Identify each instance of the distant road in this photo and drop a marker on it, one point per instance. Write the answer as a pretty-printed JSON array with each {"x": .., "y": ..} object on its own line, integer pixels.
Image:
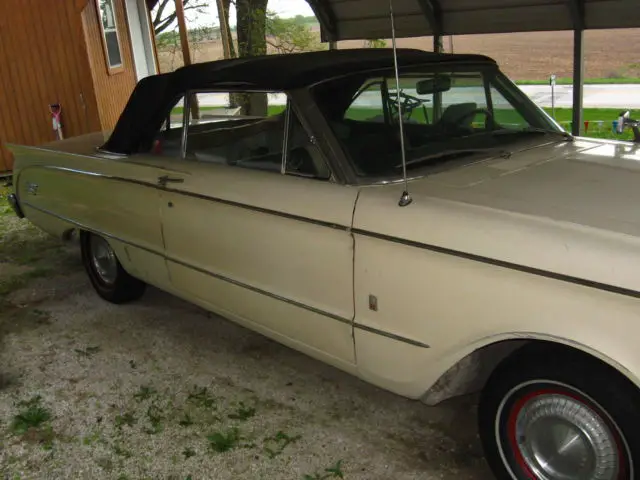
[{"x": 595, "y": 96}]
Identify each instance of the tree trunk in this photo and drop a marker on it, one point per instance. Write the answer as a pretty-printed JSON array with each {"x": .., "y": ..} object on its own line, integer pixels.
[
  {"x": 232, "y": 48},
  {"x": 251, "y": 27}
]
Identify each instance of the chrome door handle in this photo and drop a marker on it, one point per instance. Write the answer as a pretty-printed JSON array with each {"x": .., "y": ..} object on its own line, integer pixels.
[{"x": 163, "y": 180}]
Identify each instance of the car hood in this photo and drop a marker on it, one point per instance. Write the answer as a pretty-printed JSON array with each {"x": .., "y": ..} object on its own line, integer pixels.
[
  {"x": 586, "y": 182},
  {"x": 571, "y": 208}
]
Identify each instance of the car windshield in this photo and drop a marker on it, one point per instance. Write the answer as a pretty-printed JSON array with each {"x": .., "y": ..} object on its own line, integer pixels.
[{"x": 448, "y": 117}]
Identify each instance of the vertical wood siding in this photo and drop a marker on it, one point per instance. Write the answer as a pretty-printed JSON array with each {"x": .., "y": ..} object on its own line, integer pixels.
[
  {"x": 51, "y": 52},
  {"x": 112, "y": 90}
]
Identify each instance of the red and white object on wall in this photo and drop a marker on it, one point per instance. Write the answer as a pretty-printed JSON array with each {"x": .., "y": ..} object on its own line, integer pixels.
[{"x": 56, "y": 112}]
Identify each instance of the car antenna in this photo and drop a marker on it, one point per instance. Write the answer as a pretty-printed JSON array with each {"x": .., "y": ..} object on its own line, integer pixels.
[{"x": 405, "y": 199}]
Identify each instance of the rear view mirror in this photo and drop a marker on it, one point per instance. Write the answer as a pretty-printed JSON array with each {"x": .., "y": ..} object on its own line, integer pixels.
[{"x": 437, "y": 84}]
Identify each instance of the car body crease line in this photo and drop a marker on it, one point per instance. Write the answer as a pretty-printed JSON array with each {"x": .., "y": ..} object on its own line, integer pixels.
[
  {"x": 209, "y": 198},
  {"x": 233, "y": 281},
  {"x": 502, "y": 264}
]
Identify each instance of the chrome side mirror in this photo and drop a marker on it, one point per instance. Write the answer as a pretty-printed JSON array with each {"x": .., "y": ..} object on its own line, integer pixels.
[{"x": 622, "y": 120}]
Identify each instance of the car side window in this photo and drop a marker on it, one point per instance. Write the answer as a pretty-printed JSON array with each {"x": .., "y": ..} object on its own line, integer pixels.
[{"x": 260, "y": 131}]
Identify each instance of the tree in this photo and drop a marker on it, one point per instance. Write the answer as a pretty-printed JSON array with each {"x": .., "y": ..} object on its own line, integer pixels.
[
  {"x": 225, "y": 28},
  {"x": 252, "y": 19},
  {"x": 288, "y": 35},
  {"x": 162, "y": 20}
]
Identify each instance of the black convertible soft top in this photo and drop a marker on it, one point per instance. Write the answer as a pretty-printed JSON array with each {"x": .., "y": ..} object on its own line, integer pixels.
[{"x": 154, "y": 96}]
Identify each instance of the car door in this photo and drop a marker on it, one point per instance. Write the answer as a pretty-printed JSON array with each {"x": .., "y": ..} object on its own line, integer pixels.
[{"x": 265, "y": 244}]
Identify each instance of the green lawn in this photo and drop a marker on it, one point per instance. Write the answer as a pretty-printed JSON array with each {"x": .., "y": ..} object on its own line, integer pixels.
[
  {"x": 587, "y": 81},
  {"x": 593, "y": 115}
]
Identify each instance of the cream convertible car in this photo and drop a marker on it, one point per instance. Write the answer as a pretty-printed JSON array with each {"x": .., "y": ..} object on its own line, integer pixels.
[{"x": 268, "y": 190}]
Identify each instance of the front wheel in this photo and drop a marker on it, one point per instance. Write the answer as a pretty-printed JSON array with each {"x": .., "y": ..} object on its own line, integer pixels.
[
  {"x": 558, "y": 415},
  {"x": 107, "y": 276}
]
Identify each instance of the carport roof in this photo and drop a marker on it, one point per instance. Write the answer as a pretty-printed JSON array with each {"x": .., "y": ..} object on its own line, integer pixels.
[{"x": 361, "y": 19}]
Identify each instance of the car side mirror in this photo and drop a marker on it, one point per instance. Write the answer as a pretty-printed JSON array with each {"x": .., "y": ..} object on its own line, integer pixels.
[{"x": 623, "y": 118}]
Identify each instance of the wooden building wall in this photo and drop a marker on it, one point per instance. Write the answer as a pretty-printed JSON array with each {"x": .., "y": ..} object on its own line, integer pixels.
[
  {"x": 112, "y": 89},
  {"x": 51, "y": 52}
]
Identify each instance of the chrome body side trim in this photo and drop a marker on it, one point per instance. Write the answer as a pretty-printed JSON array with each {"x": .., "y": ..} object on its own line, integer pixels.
[
  {"x": 393, "y": 336},
  {"x": 502, "y": 263},
  {"x": 233, "y": 281}
]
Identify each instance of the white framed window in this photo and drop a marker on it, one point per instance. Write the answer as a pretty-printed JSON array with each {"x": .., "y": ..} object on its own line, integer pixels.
[{"x": 110, "y": 39}]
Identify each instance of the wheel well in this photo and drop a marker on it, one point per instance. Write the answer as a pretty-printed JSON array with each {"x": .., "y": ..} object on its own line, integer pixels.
[
  {"x": 71, "y": 235},
  {"x": 470, "y": 374}
]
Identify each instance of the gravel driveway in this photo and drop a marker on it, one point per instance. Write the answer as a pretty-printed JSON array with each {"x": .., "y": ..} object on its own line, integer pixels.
[{"x": 161, "y": 389}]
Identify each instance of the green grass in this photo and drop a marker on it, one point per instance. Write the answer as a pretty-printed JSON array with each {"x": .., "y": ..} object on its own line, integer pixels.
[
  {"x": 126, "y": 418},
  {"x": 242, "y": 412},
  {"x": 587, "y": 81},
  {"x": 591, "y": 115},
  {"x": 275, "y": 445},
  {"x": 331, "y": 472},
  {"x": 561, "y": 115},
  {"x": 32, "y": 415},
  {"x": 221, "y": 442},
  {"x": 201, "y": 397}
]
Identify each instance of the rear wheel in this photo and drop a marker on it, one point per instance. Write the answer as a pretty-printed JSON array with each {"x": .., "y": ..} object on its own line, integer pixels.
[
  {"x": 559, "y": 415},
  {"x": 107, "y": 276}
]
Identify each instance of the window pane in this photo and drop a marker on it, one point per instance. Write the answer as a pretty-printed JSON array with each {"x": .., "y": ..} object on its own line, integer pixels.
[
  {"x": 416, "y": 107},
  {"x": 113, "y": 49},
  {"x": 504, "y": 113},
  {"x": 241, "y": 129},
  {"x": 109, "y": 29},
  {"x": 226, "y": 106},
  {"x": 367, "y": 106}
]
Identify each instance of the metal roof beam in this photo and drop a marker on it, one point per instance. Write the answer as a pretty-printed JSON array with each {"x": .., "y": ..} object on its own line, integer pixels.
[
  {"x": 577, "y": 9},
  {"x": 432, "y": 10},
  {"x": 327, "y": 18}
]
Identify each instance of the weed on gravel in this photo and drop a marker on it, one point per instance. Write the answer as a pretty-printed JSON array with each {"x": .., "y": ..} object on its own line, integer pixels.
[
  {"x": 331, "y": 472},
  {"x": 32, "y": 422},
  {"x": 275, "y": 445},
  {"x": 223, "y": 441},
  {"x": 32, "y": 415}
]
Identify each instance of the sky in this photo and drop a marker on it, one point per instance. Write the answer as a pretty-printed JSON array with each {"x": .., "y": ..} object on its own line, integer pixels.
[
  {"x": 284, "y": 8},
  {"x": 290, "y": 8}
]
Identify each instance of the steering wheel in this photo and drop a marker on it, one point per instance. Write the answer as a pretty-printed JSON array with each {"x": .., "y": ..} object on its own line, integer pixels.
[
  {"x": 409, "y": 103},
  {"x": 472, "y": 113}
]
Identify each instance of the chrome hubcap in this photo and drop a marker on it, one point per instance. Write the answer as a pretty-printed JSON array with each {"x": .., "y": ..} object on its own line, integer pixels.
[
  {"x": 557, "y": 436},
  {"x": 104, "y": 260}
]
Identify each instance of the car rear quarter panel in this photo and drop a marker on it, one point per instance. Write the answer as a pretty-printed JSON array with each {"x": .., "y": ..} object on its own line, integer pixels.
[
  {"x": 61, "y": 191},
  {"x": 456, "y": 305}
]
